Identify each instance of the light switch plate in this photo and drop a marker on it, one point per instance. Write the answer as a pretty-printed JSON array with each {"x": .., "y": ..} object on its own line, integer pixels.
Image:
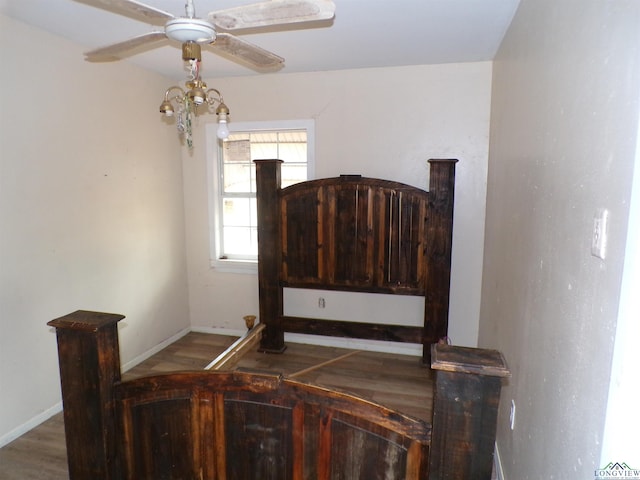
[{"x": 599, "y": 236}]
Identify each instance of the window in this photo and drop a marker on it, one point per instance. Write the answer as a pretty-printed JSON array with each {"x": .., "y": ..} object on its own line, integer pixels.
[{"x": 234, "y": 244}]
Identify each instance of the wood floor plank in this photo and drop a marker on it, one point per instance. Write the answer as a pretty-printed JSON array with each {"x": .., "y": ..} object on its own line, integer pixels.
[{"x": 38, "y": 454}]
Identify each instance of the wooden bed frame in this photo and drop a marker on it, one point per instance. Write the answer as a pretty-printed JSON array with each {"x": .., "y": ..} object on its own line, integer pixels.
[
  {"x": 242, "y": 426},
  {"x": 356, "y": 234},
  {"x": 349, "y": 233}
]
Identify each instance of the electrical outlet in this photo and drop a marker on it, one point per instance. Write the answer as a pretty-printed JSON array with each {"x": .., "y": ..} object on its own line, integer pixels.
[
  {"x": 512, "y": 415},
  {"x": 599, "y": 236}
]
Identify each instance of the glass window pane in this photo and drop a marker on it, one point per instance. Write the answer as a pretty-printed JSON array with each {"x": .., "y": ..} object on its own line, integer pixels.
[
  {"x": 253, "y": 178},
  {"x": 253, "y": 212},
  {"x": 237, "y": 212},
  {"x": 254, "y": 242},
  {"x": 237, "y": 177},
  {"x": 264, "y": 150},
  {"x": 238, "y": 204},
  {"x": 293, "y": 173},
  {"x": 264, "y": 137},
  {"x": 293, "y": 152},
  {"x": 236, "y": 150},
  {"x": 240, "y": 241},
  {"x": 292, "y": 136}
]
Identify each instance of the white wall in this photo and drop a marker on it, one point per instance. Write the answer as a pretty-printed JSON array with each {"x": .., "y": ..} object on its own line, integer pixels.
[
  {"x": 91, "y": 211},
  {"x": 564, "y": 123},
  {"x": 376, "y": 122},
  {"x": 622, "y": 422}
]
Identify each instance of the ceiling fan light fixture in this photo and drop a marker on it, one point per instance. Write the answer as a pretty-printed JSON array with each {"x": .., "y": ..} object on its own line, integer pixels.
[
  {"x": 197, "y": 95},
  {"x": 186, "y": 106},
  {"x": 185, "y": 30},
  {"x": 166, "y": 108},
  {"x": 192, "y": 32},
  {"x": 222, "y": 112},
  {"x": 223, "y": 130}
]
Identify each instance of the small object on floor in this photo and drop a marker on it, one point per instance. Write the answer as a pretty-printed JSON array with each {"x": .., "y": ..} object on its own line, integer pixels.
[{"x": 249, "y": 321}]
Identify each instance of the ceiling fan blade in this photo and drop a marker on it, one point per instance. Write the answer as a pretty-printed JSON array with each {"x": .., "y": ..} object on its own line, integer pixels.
[
  {"x": 120, "y": 50},
  {"x": 273, "y": 12},
  {"x": 245, "y": 52},
  {"x": 133, "y": 9}
]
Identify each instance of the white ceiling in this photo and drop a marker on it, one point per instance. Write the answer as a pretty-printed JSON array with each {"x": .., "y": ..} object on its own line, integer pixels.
[{"x": 364, "y": 33}]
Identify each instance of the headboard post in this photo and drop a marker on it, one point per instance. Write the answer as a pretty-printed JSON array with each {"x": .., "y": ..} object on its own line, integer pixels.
[
  {"x": 89, "y": 359},
  {"x": 438, "y": 251},
  {"x": 269, "y": 254}
]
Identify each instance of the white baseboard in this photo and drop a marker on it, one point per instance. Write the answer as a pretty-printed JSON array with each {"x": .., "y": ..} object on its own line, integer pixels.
[
  {"x": 412, "y": 349},
  {"x": 219, "y": 331},
  {"x": 32, "y": 423},
  {"x": 152, "y": 351},
  {"x": 497, "y": 464}
]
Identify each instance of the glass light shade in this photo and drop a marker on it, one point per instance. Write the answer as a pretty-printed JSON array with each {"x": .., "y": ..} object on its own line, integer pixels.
[{"x": 223, "y": 130}]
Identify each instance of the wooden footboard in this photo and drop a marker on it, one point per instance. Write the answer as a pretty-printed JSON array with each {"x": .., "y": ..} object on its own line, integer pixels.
[
  {"x": 241, "y": 426},
  {"x": 245, "y": 426}
]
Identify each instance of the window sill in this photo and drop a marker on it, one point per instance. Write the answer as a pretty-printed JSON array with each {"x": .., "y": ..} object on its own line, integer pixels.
[{"x": 235, "y": 266}]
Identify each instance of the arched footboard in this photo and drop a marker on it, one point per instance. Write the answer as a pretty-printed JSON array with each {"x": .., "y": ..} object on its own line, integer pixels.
[{"x": 207, "y": 425}]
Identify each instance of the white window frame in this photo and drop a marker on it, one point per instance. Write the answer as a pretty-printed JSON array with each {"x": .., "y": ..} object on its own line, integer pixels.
[{"x": 214, "y": 182}]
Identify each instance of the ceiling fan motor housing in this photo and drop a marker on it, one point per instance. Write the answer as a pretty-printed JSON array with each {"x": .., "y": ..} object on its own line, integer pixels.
[{"x": 190, "y": 30}]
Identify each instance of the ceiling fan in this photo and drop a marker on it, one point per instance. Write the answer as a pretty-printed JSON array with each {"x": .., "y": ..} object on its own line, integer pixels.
[{"x": 213, "y": 33}]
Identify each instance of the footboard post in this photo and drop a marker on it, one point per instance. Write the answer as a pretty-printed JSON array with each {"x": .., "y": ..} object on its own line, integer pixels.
[
  {"x": 269, "y": 254},
  {"x": 438, "y": 252},
  {"x": 465, "y": 410},
  {"x": 89, "y": 360}
]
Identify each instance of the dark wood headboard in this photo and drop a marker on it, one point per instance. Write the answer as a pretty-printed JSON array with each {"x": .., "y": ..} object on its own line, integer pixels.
[{"x": 356, "y": 234}]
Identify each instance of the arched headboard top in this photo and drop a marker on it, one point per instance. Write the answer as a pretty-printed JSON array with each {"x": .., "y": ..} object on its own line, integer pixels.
[
  {"x": 351, "y": 179},
  {"x": 354, "y": 233}
]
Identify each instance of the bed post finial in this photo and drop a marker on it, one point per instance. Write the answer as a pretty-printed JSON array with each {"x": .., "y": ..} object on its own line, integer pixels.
[
  {"x": 269, "y": 254},
  {"x": 89, "y": 358}
]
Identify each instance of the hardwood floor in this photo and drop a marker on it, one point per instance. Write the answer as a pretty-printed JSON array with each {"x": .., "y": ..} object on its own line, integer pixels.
[{"x": 397, "y": 381}]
